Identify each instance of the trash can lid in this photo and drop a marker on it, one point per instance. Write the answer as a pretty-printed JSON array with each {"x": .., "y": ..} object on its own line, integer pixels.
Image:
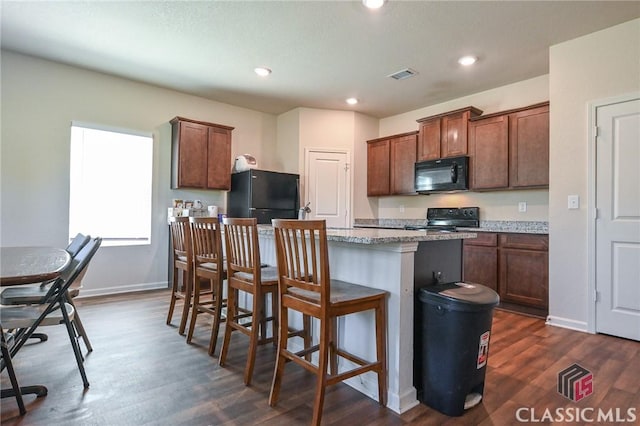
[{"x": 460, "y": 292}]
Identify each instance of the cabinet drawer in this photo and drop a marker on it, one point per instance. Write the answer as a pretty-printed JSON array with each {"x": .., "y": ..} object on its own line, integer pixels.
[
  {"x": 483, "y": 239},
  {"x": 524, "y": 241}
]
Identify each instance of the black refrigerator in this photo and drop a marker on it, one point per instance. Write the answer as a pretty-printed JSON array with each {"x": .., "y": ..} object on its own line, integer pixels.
[{"x": 264, "y": 195}]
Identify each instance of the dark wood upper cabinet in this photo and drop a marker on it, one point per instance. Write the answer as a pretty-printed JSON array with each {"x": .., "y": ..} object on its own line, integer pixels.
[
  {"x": 403, "y": 159},
  {"x": 489, "y": 153},
  {"x": 529, "y": 148},
  {"x": 510, "y": 149},
  {"x": 200, "y": 154},
  {"x": 390, "y": 165},
  {"x": 378, "y": 171},
  {"x": 445, "y": 135},
  {"x": 429, "y": 137}
]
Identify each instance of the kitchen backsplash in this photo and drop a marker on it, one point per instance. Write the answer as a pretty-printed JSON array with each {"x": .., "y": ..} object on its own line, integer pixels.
[{"x": 494, "y": 206}]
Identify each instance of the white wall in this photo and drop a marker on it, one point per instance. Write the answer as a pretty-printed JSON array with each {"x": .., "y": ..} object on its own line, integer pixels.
[
  {"x": 597, "y": 66},
  {"x": 496, "y": 205},
  {"x": 39, "y": 101}
]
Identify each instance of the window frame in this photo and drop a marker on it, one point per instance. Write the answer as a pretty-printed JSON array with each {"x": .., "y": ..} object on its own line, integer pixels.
[{"x": 144, "y": 238}]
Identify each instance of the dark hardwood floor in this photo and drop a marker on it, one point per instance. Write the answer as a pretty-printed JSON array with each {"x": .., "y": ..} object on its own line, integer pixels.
[{"x": 143, "y": 373}]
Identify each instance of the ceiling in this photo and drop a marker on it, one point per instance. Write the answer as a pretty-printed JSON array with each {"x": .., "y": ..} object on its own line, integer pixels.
[{"x": 321, "y": 52}]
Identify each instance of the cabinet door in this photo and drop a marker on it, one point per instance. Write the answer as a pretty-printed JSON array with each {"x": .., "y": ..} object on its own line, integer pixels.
[
  {"x": 489, "y": 153},
  {"x": 429, "y": 140},
  {"x": 529, "y": 148},
  {"x": 192, "y": 155},
  {"x": 454, "y": 135},
  {"x": 480, "y": 265},
  {"x": 403, "y": 159},
  {"x": 524, "y": 277},
  {"x": 378, "y": 174},
  {"x": 219, "y": 159}
]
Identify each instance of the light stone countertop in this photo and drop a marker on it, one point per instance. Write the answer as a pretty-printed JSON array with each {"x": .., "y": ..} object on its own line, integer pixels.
[
  {"x": 382, "y": 236},
  {"x": 511, "y": 226}
]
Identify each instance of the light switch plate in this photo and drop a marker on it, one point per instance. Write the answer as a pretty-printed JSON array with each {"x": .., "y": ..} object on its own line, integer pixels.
[{"x": 573, "y": 202}]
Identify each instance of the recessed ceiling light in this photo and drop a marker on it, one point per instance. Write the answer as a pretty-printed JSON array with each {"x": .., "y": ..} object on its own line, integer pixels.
[
  {"x": 352, "y": 101},
  {"x": 373, "y": 4},
  {"x": 262, "y": 71},
  {"x": 467, "y": 60}
]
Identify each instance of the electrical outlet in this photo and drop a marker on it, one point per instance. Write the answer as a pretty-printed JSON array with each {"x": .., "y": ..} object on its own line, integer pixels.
[
  {"x": 522, "y": 206},
  {"x": 573, "y": 202},
  {"x": 402, "y": 208}
]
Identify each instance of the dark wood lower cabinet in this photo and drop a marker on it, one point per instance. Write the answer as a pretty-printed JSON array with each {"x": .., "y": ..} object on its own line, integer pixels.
[
  {"x": 480, "y": 260},
  {"x": 515, "y": 265}
]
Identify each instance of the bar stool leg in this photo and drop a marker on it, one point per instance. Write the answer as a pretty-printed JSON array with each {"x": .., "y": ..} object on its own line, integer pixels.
[
  {"x": 186, "y": 282},
  {"x": 256, "y": 321}
]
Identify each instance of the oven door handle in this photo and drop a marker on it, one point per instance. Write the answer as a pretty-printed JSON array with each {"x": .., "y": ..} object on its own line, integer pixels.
[{"x": 454, "y": 173}]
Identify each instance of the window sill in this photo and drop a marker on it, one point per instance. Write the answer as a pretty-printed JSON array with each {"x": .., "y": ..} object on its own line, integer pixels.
[{"x": 118, "y": 242}]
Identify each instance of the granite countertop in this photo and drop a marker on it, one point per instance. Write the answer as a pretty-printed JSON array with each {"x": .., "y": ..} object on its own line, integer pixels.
[
  {"x": 382, "y": 236},
  {"x": 511, "y": 226}
]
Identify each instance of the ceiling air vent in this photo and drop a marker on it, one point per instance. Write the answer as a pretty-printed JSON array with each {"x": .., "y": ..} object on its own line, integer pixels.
[{"x": 402, "y": 74}]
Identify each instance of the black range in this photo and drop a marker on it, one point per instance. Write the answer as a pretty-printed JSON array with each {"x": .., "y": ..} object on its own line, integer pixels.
[{"x": 449, "y": 219}]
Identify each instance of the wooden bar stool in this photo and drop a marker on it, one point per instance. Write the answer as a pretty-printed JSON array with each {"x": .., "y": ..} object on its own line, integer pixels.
[
  {"x": 305, "y": 286},
  {"x": 182, "y": 268},
  {"x": 244, "y": 273},
  {"x": 208, "y": 265}
]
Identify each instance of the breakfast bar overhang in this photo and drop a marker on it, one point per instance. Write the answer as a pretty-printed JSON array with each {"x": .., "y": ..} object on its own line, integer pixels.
[{"x": 383, "y": 259}]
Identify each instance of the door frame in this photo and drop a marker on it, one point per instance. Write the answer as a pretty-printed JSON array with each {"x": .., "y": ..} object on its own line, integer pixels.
[
  {"x": 591, "y": 204},
  {"x": 349, "y": 192}
]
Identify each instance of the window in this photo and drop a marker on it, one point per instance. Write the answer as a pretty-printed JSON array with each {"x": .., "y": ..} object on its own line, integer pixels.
[{"x": 110, "y": 184}]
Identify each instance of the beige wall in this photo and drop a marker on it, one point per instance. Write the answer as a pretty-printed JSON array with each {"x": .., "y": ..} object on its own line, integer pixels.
[
  {"x": 497, "y": 205},
  {"x": 364, "y": 207},
  {"x": 287, "y": 141},
  {"x": 307, "y": 128},
  {"x": 594, "y": 67},
  {"x": 39, "y": 101}
]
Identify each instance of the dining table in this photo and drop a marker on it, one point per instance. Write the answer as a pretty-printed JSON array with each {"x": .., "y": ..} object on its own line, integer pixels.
[{"x": 29, "y": 265}]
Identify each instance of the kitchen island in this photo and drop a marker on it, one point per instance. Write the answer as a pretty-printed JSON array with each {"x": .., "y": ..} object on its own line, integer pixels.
[{"x": 383, "y": 259}]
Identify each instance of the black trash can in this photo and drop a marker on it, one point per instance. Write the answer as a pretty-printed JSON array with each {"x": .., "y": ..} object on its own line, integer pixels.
[{"x": 455, "y": 331}]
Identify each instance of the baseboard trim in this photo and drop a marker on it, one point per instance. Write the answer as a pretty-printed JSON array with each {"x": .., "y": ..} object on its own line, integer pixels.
[
  {"x": 107, "y": 291},
  {"x": 567, "y": 323}
]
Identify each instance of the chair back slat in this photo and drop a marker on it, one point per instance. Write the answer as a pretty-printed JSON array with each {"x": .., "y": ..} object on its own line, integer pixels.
[
  {"x": 303, "y": 261},
  {"x": 242, "y": 249},
  {"x": 181, "y": 237},
  {"x": 206, "y": 239}
]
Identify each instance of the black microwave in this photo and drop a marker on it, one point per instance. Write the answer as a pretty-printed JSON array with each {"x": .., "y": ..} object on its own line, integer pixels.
[{"x": 443, "y": 175}]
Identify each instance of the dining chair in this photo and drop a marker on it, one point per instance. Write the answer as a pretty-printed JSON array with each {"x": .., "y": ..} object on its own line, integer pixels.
[
  {"x": 246, "y": 274},
  {"x": 24, "y": 320},
  {"x": 306, "y": 286},
  {"x": 182, "y": 281},
  {"x": 6, "y": 341},
  {"x": 208, "y": 265},
  {"x": 28, "y": 295}
]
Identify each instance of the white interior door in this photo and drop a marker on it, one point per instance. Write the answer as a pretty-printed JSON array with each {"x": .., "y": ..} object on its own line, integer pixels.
[
  {"x": 617, "y": 233},
  {"x": 328, "y": 186}
]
